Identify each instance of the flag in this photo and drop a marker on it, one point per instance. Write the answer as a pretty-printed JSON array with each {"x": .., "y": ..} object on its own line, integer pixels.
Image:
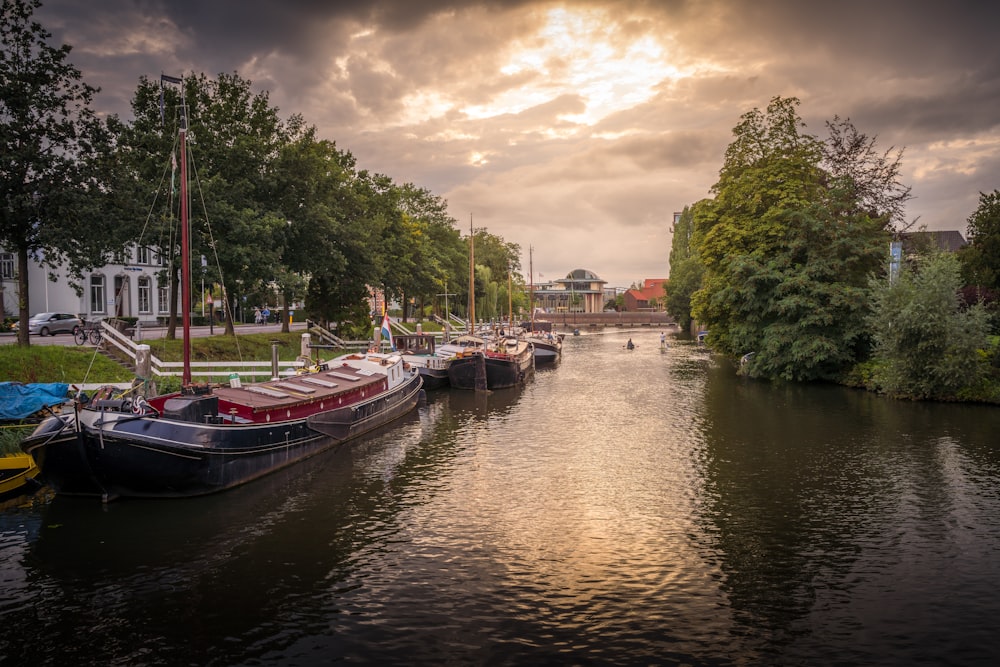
[{"x": 387, "y": 331}]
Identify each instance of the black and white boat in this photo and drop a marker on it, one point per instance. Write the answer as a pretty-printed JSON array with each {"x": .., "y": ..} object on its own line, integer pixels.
[{"x": 420, "y": 351}]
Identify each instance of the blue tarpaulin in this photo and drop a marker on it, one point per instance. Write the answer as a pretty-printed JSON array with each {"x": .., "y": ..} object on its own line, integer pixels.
[{"x": 18, "y": 400}]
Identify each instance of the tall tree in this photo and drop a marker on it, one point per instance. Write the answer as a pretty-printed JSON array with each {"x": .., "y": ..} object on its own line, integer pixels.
[
  {"x": 53, "y": 147},
  {"x": 797, "y": 226}
]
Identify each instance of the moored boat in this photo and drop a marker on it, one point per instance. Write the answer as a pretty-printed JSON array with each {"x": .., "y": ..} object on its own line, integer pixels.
[
  {"x": 504, "y": 362},
  {"x": 547, "y": 346},
  {"x": 431, "y": 363},
  {"x": 18, "y": 475}
]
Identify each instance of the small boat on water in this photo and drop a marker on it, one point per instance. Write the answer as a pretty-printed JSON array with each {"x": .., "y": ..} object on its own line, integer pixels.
[
  {"x": 206, "y": 438},
  {"x": 432, "y": 363},
  {"x": 547, "y": 345},
  {"x": 18, "y": 475}
]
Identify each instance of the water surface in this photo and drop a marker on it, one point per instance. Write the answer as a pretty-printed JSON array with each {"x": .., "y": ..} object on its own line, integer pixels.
[{"x": 624, "y": 507}]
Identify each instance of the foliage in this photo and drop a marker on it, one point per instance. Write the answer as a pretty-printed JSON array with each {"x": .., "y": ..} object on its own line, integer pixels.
[
  {"x": 927, "y": 345},
  {"x": 54, "y": 156},
  {"x": 685, "y": 266},
  {"x": 796, "y": 228},
  {"x": 981, "y": 257}
]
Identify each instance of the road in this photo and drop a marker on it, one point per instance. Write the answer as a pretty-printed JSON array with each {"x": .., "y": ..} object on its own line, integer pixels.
[{"x": 152, "y": 333}]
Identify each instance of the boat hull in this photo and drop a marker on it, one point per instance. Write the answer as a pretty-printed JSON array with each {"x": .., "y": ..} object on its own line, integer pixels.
[
  {"x": 433, "y": 378},
  {"x": 545, "y": 352},
  {"x": 499, "y": 372},
  {"x": 17, "y": 475}
]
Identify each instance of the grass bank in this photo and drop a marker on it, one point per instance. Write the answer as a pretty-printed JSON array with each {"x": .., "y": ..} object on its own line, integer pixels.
[{"x": 57, "y": 363}]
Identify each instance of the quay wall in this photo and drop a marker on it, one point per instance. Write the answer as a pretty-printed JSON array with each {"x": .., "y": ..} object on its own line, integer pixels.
[{"x": 623, "y": 319}]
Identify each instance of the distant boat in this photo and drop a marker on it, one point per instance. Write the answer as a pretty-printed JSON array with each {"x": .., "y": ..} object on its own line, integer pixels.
[
  {"x": 419, "y": 351},
  {"x": 205, "y": 439},
  {"x": 547, "y": 346}
]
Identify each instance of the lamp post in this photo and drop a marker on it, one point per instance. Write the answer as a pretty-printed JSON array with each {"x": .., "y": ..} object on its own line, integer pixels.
[{"x": 447, "y": 312}]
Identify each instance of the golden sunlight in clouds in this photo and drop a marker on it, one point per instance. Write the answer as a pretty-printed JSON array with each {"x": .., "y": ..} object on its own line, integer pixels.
[{"x": 581, "y": 53}]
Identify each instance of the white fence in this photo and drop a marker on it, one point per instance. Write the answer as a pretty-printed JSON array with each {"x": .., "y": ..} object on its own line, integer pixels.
[{"x": 221, "y": 370}]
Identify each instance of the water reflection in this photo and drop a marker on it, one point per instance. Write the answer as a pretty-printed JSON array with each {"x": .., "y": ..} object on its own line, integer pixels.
[{"x": 825, "y": 499}]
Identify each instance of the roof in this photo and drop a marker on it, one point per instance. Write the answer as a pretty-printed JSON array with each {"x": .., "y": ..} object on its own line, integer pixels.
[
  {"x": 652, "y": 288},
  {"x": 948, "y": 240}
]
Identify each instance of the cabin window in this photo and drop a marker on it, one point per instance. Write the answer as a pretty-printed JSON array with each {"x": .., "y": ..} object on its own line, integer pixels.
[{"x": 97, "y": 294}]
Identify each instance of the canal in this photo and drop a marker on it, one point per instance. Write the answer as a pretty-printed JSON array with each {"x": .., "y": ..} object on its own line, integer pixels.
[{"x": 624, "y": 507}]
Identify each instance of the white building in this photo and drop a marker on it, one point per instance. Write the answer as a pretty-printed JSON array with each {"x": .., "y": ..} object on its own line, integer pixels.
[{"x": 130, "y": 289}]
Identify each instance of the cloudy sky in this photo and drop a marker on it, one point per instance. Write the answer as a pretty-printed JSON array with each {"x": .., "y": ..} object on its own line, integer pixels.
[{"x": 577, "y": 128}]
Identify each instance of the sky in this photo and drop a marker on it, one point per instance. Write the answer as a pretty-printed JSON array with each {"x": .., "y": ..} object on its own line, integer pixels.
[{"x": 576, "y": 129}]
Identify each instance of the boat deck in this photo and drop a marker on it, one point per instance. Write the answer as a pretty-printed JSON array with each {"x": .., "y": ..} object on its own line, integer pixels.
[{"x": 298, "y": 389}]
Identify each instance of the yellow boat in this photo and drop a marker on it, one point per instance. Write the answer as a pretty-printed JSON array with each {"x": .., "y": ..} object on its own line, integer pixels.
[{"x": 17, "y": 475}]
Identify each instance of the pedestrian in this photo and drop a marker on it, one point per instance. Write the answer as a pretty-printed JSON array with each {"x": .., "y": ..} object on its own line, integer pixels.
[
  {"x": 258, "y": 317},
  {"x": 266, "y": 313}
]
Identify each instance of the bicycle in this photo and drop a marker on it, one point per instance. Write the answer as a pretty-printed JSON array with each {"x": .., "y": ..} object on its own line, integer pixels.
[{"x": 93, "y": 334}]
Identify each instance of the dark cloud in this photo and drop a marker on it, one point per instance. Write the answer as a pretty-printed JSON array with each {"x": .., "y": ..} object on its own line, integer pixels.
[{"x": 394, "y": 83}]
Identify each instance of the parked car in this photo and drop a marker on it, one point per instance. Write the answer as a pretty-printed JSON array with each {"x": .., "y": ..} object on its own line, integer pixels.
[{"x": 45, "y": 324}]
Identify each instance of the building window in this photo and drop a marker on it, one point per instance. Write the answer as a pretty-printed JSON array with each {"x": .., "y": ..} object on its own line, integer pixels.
[
  {"x": 162, "y": 299},
  {"x": 97, "y": 295},
  {"x": 142, "y": 255},
  {"x": 6, "y": 265},
  {"x": 145, "y": 294}
]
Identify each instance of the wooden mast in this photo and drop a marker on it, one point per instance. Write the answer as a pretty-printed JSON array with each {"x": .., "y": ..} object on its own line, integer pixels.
[
  {"x": 472, "y": 278},
  {"x": 185, "y": 248},
  {"x": 531, "y": 286}
]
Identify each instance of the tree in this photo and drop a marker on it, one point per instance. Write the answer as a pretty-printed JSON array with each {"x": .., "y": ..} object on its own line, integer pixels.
[
  {"x": 797, "y": 226},
  {"x": 685, "y": 266},
  {"x": 926, "y": 343},
  {"x": 53, "y": 149},
  {"x": 981, "y": 257},
  {"x": 236, "y": 138}
]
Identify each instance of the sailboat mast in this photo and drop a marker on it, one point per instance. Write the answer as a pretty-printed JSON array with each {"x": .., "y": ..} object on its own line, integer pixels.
[
  {"x": 185, "y": 248},
  {"x": 510, "y": 305},
  {"x": 531, "y": 286},
  {"x": 472, "y": 278}
]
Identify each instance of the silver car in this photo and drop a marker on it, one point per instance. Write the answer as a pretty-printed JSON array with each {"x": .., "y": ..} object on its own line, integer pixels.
[{"x": 45, "y": 324}]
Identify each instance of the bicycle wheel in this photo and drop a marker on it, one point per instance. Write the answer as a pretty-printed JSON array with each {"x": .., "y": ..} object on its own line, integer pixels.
[
  {"x": 80, "y": 336},
  {"x": 95, "y": 336}
]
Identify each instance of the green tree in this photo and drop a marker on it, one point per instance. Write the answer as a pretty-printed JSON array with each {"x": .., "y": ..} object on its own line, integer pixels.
[
  {"x": 234, "y": 139},
  {"x": 981, "y": 257},
  {"x": 797, "y": 226},
  {"x": 326, "y": 250},
  {"x": 53, "y": 151},
  {"x": 685, "y": 266},
  {"x": 927, "y": 344}
]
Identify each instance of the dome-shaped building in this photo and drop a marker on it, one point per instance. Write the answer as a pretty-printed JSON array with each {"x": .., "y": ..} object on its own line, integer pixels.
[{"x": 581, "y": 291}]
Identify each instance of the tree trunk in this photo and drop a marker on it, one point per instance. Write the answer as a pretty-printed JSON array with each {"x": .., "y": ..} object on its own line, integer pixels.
[{"x": 23, "y": 313}]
